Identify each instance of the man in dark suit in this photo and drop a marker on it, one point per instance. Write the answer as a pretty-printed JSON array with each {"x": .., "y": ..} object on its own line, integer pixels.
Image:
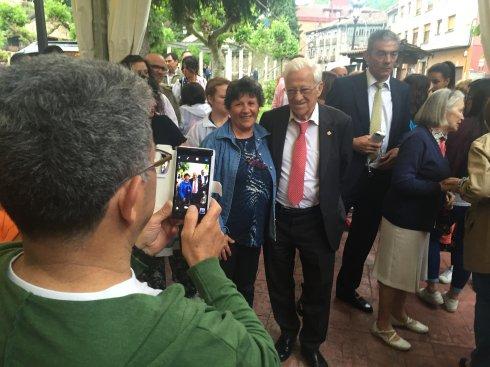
[
  {"x": 311, "y": 146},
  {"x": 376, "y": 102}
]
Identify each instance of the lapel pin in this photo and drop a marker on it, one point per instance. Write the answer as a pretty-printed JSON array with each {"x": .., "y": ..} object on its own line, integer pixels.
[{"x": 329, "y": 132}]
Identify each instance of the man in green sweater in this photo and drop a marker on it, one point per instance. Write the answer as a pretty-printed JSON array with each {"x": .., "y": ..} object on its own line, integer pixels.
[{"x": 76, "y": 175}]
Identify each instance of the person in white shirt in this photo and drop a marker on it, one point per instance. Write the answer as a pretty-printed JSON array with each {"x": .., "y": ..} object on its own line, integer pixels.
[
  {"x": 215, "y": 95},
  {"x": 190, "y": 69}
]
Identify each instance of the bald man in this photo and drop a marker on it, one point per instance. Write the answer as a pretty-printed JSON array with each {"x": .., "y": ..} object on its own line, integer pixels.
[
  {"x": 159, "y": 70},
  {"x": 340, "y": 71}
]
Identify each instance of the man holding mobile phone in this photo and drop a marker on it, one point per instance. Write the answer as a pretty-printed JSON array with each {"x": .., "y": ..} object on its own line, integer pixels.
[
  {"x": 77, "y": 175},
  {"x": 376, "y": 102}
]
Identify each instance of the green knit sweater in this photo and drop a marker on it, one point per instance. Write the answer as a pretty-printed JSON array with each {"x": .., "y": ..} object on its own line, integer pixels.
[{"x": 135, "y": 330}]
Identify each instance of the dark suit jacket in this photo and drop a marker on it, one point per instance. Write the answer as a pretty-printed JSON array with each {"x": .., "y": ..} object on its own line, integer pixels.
[
  {"x": 350, "y": 95},
  {"x": 415, "y": 197},
  {"x": 335, "y": 131}
]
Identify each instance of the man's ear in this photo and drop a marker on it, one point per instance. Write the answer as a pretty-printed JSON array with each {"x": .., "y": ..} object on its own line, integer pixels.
[{"x": 129, "y": 196}]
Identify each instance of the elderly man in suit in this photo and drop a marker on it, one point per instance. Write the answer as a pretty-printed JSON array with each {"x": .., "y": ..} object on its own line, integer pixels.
[
  {"x": 311, "y": 146},
  {"x": 376, "y": 102}
]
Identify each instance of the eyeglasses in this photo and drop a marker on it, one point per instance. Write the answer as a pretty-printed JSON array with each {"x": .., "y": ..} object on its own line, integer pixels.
[
  {"x": 305, "y": 92},
  {"x": 158, "y": 67},
  {"x": 165, "y": 157}
]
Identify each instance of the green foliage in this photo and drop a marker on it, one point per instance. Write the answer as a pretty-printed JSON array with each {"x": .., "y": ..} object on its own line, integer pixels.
[
  {"x": 285, "y": 44},
  {"x": 475, "y": 30},
  {"x": 286, "y": 9},
  {"x": 161, "y": 30},
  {"x": 269, "y": 87},
  {"x": 278, "y": 40},
  {"x": 242, "y": 33},
  {"x": 58, "y": 13},
  {"x": 12, "y": 16},
  {"x": 3, "y": 39},
  {"x": 4, "y": 56}
]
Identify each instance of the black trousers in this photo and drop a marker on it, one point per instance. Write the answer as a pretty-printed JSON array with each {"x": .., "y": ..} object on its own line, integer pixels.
[
  {"x": 300, "y": 229},
  {"x": 242, "y": 268},
  {"x": 363, "y": 229}
]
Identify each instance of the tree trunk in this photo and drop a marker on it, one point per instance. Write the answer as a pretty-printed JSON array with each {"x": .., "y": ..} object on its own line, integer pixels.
[{"x": 218, "y": 59}]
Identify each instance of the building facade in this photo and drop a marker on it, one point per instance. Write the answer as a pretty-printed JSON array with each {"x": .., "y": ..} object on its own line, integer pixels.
[
  {"x": 327, "y": 46},
  {"x": 443, "y": 28}
]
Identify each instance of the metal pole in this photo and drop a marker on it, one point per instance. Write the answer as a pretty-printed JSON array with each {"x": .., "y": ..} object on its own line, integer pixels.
[
  {"x": 354, "y": 32},
  {"x": 42, "y": 35}
]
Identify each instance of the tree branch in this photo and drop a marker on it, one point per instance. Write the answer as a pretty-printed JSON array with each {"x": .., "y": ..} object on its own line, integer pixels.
[
  {"x": 224, "y": 28},
  {"x": 189, "y": 25}
]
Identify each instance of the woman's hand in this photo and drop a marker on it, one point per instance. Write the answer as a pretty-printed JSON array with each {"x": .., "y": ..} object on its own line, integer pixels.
[
  {"x": 226, "y": 252},
  {"x": 450, "y": 197},
  {"x": 450, "y": 184}
]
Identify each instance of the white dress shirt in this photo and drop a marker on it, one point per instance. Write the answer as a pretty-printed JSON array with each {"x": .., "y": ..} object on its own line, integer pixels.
[
  {"x": 311, "y": 193},
  {"x": 387, "y": 114}
]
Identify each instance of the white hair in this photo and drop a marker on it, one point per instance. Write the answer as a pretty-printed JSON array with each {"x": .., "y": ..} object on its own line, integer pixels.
[
  {"x": 433, "y": 112},
  {"x": 299, "y": 63}
]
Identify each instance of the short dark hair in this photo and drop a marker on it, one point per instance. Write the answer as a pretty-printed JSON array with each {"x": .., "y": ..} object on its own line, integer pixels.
[
  {"x": 192, "y": 93},
  {"x": 128, "y": 62},
  {"x": 381, "y": 35},
  {"x": 186, "y": 174},
  {"x": 244, "y": 86},
  {"x": 213, "y": 84},
  {"x": 447, "y": 70},
  {"x": 191, "y": 63},
  {"x": 173, "y": 55},
  {"x": 67, "y": 146}
]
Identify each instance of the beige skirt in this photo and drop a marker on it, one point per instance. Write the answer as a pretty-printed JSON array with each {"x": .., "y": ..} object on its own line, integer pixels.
[{"x": 401, "y": 260}]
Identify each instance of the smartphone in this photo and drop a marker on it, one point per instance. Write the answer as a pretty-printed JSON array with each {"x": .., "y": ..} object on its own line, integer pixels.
[
  {"x": 165, "y": 176},
  {"x": 192, "y": 181},
  {"x": 377, "y": 137}
]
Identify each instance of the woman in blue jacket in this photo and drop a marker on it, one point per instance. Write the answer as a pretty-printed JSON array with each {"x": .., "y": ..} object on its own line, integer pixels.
[
  {"x": 411, "y": 205},
  {"x": 245, "y": 169}
]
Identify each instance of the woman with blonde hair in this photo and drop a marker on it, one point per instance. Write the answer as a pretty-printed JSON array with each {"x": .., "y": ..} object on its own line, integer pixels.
[{"x": 416, "y": 195}]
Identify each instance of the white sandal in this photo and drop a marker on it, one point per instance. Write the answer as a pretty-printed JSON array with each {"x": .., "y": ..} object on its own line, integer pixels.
[
  {"x": 410, "y": 324},
  {"x": 391, "y": 338}
]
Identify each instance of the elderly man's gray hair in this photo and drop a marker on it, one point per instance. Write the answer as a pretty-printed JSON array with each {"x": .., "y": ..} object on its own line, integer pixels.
[
  {"x": 381, "y": 35},
  {"x": 433, "y": 112},
  {"x": 299, "y": 63},
  {"x": 71, "y": 131}
]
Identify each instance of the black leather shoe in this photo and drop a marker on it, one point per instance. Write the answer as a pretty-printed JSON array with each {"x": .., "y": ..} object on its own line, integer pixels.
[
  {"x": 313, "y": 358},
  {"x": 356, "y": 301},
  {"x": 284, "y": 346}
]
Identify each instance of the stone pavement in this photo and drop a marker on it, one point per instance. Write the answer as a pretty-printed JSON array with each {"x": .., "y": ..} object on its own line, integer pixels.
[{"x": 350, "y": 343}]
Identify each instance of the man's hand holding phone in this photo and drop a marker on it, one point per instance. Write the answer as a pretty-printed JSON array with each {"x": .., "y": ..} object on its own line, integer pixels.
[
  {"x": 365, "y": 145},
  {"x": 204, "y": 240}
]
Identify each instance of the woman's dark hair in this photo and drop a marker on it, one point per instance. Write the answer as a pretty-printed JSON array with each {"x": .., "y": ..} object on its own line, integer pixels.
[
  {"x": 241, "y": 87},
  {"x": 128, "y": 62},
  {"x": 477, "y": 97},
  {"x": 191, "y": 63},
  {"x": 192, "y": 93},
  {"x": 419, "y": 91},
  {"x": 328, "y": 78},
  {"x": 447, "y": 70}
]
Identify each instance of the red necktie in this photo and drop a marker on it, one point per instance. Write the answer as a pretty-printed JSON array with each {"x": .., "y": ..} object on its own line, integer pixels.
[
  {"x": 442, "y": 146},
  {"x": 297, "y": 174}
]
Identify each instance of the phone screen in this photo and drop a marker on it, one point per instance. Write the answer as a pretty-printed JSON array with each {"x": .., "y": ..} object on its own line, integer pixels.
[{"x": 193, "y": 173}]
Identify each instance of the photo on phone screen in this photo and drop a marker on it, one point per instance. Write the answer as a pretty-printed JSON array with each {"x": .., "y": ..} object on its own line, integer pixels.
[{"x": 192, "y": 180}]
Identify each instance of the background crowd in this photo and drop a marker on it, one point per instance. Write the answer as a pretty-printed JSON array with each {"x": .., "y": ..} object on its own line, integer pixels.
[{"x": 289, "y": 179}]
